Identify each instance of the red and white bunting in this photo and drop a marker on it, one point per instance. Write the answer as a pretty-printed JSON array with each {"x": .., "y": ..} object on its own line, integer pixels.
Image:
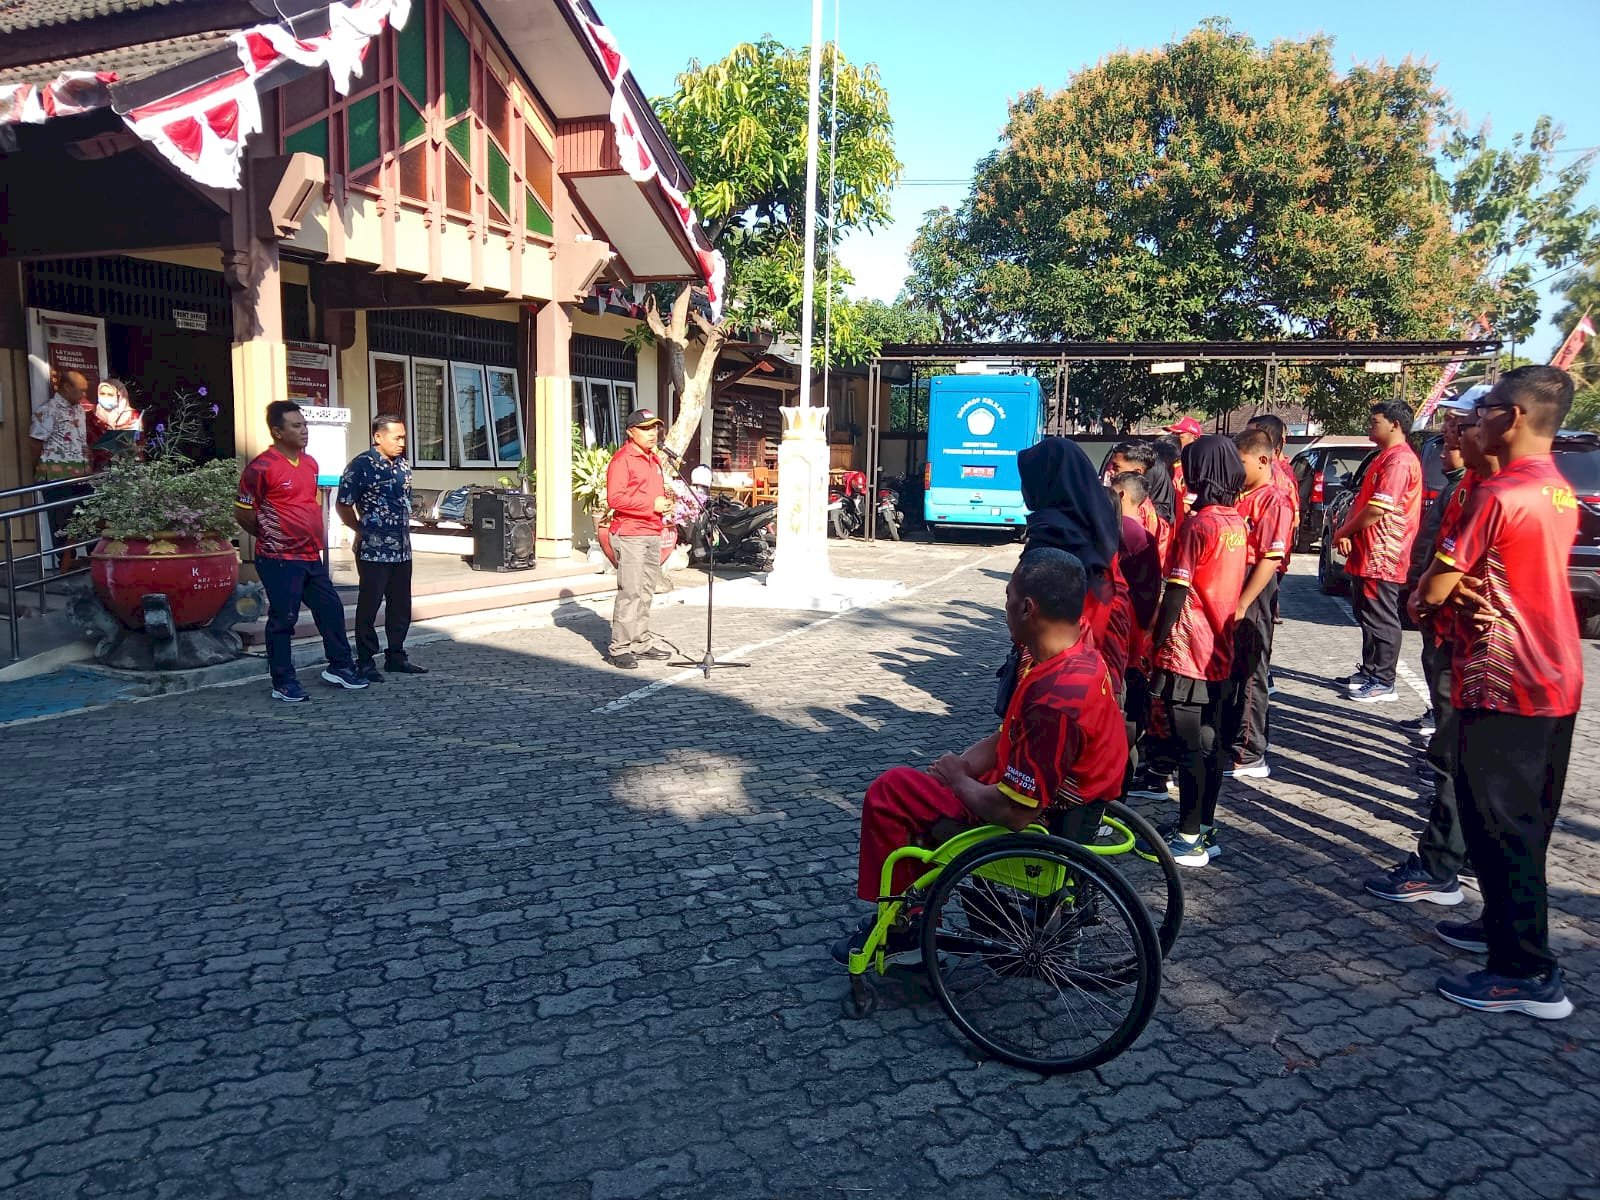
[
  {"x": 71, "y": 93},
  {"x": 1451, "y": 370},
  {"x": 342, "y": 50},
  {"x": 639, "y": 161}
]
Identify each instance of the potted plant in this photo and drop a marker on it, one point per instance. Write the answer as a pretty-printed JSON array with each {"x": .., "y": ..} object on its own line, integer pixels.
[
  {"x": 589, "y": 464},
  {"x": 524, "y": 480},
  {"x": 165, "y": 527}
]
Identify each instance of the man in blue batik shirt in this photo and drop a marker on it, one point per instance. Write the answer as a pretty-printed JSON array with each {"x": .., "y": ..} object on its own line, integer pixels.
[{"x": 375, "y": 501}]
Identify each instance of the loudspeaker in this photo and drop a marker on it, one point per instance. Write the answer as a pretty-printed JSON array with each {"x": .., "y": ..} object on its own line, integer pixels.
[{"x": 502, "y": 532}]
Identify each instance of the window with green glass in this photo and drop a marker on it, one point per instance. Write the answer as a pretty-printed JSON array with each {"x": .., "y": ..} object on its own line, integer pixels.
[
  {"x": 499, "y": 179},
  {"x": 313, "y": 139},
  {"x": 538, "y": 220},
  {"x": 412, "y": 56},
  {"x": 459, "y": 136},
  {"x": 457, "y": 69},
  {"x": 363, "y": 126},
  {"x": 412, "y": 124}
]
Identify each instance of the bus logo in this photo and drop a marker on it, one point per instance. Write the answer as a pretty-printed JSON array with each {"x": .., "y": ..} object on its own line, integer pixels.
[{"x": 980, "y": 422}]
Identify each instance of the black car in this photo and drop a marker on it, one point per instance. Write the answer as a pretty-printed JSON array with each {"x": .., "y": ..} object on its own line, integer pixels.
[
  {"x": 1577, "y": 456},
  {"x": 1320, "y": 471}
]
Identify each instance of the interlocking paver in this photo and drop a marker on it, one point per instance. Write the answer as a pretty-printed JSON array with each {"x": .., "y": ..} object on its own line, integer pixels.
[{"x": 466, "y": 936}]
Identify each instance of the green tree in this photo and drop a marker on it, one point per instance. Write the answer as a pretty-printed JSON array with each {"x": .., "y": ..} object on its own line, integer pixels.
[
  {"x": 740, "y": 124},
  {"x": 1219, "y": 189}
]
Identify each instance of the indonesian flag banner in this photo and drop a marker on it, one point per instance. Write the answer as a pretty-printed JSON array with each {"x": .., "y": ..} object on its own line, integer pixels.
[
  {"x": 637, "y": 159},
  {"x": 1573, "y": 346},
  {"x": 73, "y": 92},
  {"x": 202, "y": 131},
  {"x": 1446, "y": 376}
]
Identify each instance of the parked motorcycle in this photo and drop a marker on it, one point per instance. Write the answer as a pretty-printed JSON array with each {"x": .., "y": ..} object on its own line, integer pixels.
[
  {"x": 746, "y": 534},
  {"x": 847, "y": 506}
]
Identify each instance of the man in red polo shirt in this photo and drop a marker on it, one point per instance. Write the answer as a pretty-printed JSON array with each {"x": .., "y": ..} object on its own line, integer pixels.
[
  {"x": 1061, "y": 743},
  {"x": 277, "y": 505},
  {"x": 1194, "y": 637},
  {"x": 1269, "y": 519},
  {"x": 1517, "y": 684},
  {"x": 1375, "y": 539},
  {"x": 636, "y": 493},
  {"x": 1187, "y": 431}
]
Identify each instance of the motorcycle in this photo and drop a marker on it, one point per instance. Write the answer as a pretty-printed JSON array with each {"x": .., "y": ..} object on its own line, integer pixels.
[
  {"x": 746, "y": 534},
  {"x": 847, "y": 506}
]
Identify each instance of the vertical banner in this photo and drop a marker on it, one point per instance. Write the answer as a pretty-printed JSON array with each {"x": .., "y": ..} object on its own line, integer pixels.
[
  {"x": 1573, "y": 346},
  {"x": 313, "y": 375},
  {"x": 60, "y": 342}
]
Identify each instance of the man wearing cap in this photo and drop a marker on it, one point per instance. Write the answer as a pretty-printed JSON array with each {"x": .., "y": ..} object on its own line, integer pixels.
[
  {"x": 637, "y": 495},
  {"x": 1186, "y": 430}
]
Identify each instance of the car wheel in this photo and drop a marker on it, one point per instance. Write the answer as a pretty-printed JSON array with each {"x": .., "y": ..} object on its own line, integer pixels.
[{"x": 1330, "y": 578}]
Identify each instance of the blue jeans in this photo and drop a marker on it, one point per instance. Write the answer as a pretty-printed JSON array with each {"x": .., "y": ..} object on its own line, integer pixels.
[{"x": 289, "y": 581}]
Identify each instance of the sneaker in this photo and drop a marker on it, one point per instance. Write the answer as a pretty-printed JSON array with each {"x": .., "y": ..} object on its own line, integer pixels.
[
  {"x": 899, "y": 943},
  {"x": 344, "y": 677},
  {"x": 1354, "y": 679},
  {"x": 1485, "y": 991},
  {"x": 1148, "y": 787},
  {"x": 1250, "y": 768},
  {"x": 1468, "y": 875},
  {"x": 624, "y": 661},
  {"x": 1172, "y": 785},
  {"x": 1424, "y": 726},
  {"x": 369, "y": 671},
  {"x": 1208, "y": 839},
  {"x": 403, "y": 666},
  {"x": 290, "y": 693},
  {"x": 1272, "y": 684},
  {"x": 1188, "y": 850},
  {"x": 1408, "y": 883},
  {"x": 1373, "y": 692},
  {"x": 1463, "y": 935},
  {"x": 659, "y": 653}
]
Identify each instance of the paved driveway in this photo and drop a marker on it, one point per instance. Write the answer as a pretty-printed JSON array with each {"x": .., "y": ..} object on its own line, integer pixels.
[{"x": 465, "y": 935}]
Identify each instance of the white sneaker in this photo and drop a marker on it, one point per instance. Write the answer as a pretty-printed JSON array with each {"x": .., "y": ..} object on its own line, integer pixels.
[{"x": 1254, "y": 769}]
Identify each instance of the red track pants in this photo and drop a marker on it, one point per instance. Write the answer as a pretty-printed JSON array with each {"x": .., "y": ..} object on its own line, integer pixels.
[{"x": 901, "y": 808}]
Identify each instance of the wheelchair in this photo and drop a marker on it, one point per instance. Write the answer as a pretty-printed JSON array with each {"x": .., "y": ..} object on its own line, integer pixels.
[{"x": 1040, "y": 952}]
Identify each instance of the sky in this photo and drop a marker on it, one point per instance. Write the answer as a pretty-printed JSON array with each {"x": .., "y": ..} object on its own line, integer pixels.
[{"x": 951, "y": 69}]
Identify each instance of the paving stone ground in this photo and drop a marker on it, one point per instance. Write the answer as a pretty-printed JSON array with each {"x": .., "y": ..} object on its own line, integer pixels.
[{"x": 465, "y": 936}]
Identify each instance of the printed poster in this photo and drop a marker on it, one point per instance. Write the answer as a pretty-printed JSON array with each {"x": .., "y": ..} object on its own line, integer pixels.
[{"x": 60, "y": 342}]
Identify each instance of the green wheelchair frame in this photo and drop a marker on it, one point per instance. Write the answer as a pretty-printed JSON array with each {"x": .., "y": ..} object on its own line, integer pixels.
[{"x": 1038, "y": 881}]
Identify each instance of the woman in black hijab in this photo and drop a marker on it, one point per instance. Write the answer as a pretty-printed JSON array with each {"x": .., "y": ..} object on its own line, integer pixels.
[
  {"x": 1069, "y": 509},
  {"x": 1194, "y": 637}
]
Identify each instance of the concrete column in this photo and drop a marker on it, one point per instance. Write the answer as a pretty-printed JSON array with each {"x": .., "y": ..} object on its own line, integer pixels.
[
  {"x": 260, "y": 364},
  {"x": 802, "y": 558},
  {"x": 552, "y": 424}
]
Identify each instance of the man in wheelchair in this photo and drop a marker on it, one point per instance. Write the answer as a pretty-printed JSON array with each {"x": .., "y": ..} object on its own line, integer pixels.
[{"x": 1062, "y": 742}]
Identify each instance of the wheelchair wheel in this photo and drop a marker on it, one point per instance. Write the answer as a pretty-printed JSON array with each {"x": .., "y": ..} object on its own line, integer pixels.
[
  {"x": 1159, "y": 883},
  {"x": 1041, "y": 953}
]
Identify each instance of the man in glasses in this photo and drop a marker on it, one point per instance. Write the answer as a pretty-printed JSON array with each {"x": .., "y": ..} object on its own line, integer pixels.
[
  {"x": 1518, "y": 680},
  {"x": 1375, "y": 539}
]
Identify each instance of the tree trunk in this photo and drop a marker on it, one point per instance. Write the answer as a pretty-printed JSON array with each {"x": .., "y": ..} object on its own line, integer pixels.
[{"x": 692, "y": 390}]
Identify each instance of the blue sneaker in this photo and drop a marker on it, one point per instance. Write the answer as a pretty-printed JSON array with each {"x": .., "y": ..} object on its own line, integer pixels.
[
  {"x": 1373, "y": 692},
  {"x": 1208, "y": 839},
  {"x": 290, "y": 693},
  {"x": 344, "y": 677},
  {"x": 1410, "y": 882},
  {"x": 1487, "y": 992},
  {"x": 1188, "y": 850}
]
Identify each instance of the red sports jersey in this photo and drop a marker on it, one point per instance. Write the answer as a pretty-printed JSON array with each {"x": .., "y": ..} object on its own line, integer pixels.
[
  {"x": 1446, "y": 622},
  {"x": 1106, "y": 623},
  {"x": 1062, "y": 739},
  {"x": 1208, "y": 559},
  {"x": 1269, "y": 519},
  {"x": 1156, "y": 528},
  {"x": 1291, "y": 488},
  {"x": 1393, "y": 483},
  {"x": 1516, "y": 534},
  {"x": 283, "y": 493}
]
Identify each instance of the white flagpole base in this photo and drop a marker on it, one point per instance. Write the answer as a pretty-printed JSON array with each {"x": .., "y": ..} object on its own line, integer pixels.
[{"x": 800, "y": 565}]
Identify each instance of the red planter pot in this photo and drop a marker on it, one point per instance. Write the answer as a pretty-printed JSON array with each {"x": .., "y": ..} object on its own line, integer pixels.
[
  {"x": 196, "y": 574},
  {"x": 669, "y": 543}
]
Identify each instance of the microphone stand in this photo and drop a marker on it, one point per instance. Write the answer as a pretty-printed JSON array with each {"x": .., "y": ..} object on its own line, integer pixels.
[{"x": 708, "y": 513}]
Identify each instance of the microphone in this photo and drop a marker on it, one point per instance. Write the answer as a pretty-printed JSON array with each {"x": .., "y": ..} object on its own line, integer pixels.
[{"x": 671, "y": 453}]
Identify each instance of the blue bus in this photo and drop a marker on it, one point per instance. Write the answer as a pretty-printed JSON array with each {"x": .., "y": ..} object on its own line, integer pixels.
[{"x": 976, "y": 426}]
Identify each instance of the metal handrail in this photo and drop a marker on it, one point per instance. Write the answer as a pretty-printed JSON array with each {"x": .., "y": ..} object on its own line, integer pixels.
[{"x": 12, "y": 558}]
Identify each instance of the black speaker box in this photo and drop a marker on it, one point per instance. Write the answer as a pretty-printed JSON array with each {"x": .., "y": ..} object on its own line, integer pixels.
[{"x": 502, "y": 532}]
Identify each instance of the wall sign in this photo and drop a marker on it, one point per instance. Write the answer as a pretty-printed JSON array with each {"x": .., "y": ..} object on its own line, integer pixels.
[
  {"x": 60, "y": 342},
  {"x": 313, "y": 376},
  {"x": 190, "y": 319}
]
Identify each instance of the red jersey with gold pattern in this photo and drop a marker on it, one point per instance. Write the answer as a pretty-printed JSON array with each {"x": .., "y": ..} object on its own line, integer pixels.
[
  {"x": 1062, "y": 739},
  {"x": 1447, "y": 624},
  {"x": 1516, "y": 535},
  {"x": 1208, "y": 560},
  {"x": 1156, "y": 528},
  {"x": 1269, "y": 519},
  {"x": 1392, "y": 484},
  {"x": 1291, "y": 488},
  {"x": 283, "y": 493}
]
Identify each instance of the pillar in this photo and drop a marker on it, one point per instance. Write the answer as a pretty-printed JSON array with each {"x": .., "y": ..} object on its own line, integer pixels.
[
  {"x": 260, "y": 362},
  {"x": 552, "y": 424},
  {"x": 801, "y": 564}
]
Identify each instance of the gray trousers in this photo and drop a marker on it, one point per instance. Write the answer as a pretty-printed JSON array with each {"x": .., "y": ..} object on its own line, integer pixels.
[
  {"x": 638, "y": 573},
  {"x": 1442, "y": 846}
]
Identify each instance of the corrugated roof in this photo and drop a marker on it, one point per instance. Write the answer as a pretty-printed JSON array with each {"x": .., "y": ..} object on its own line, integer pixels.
[
  {"x": 36, "y": 14},
  {"x": 129, "y": 62}
]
